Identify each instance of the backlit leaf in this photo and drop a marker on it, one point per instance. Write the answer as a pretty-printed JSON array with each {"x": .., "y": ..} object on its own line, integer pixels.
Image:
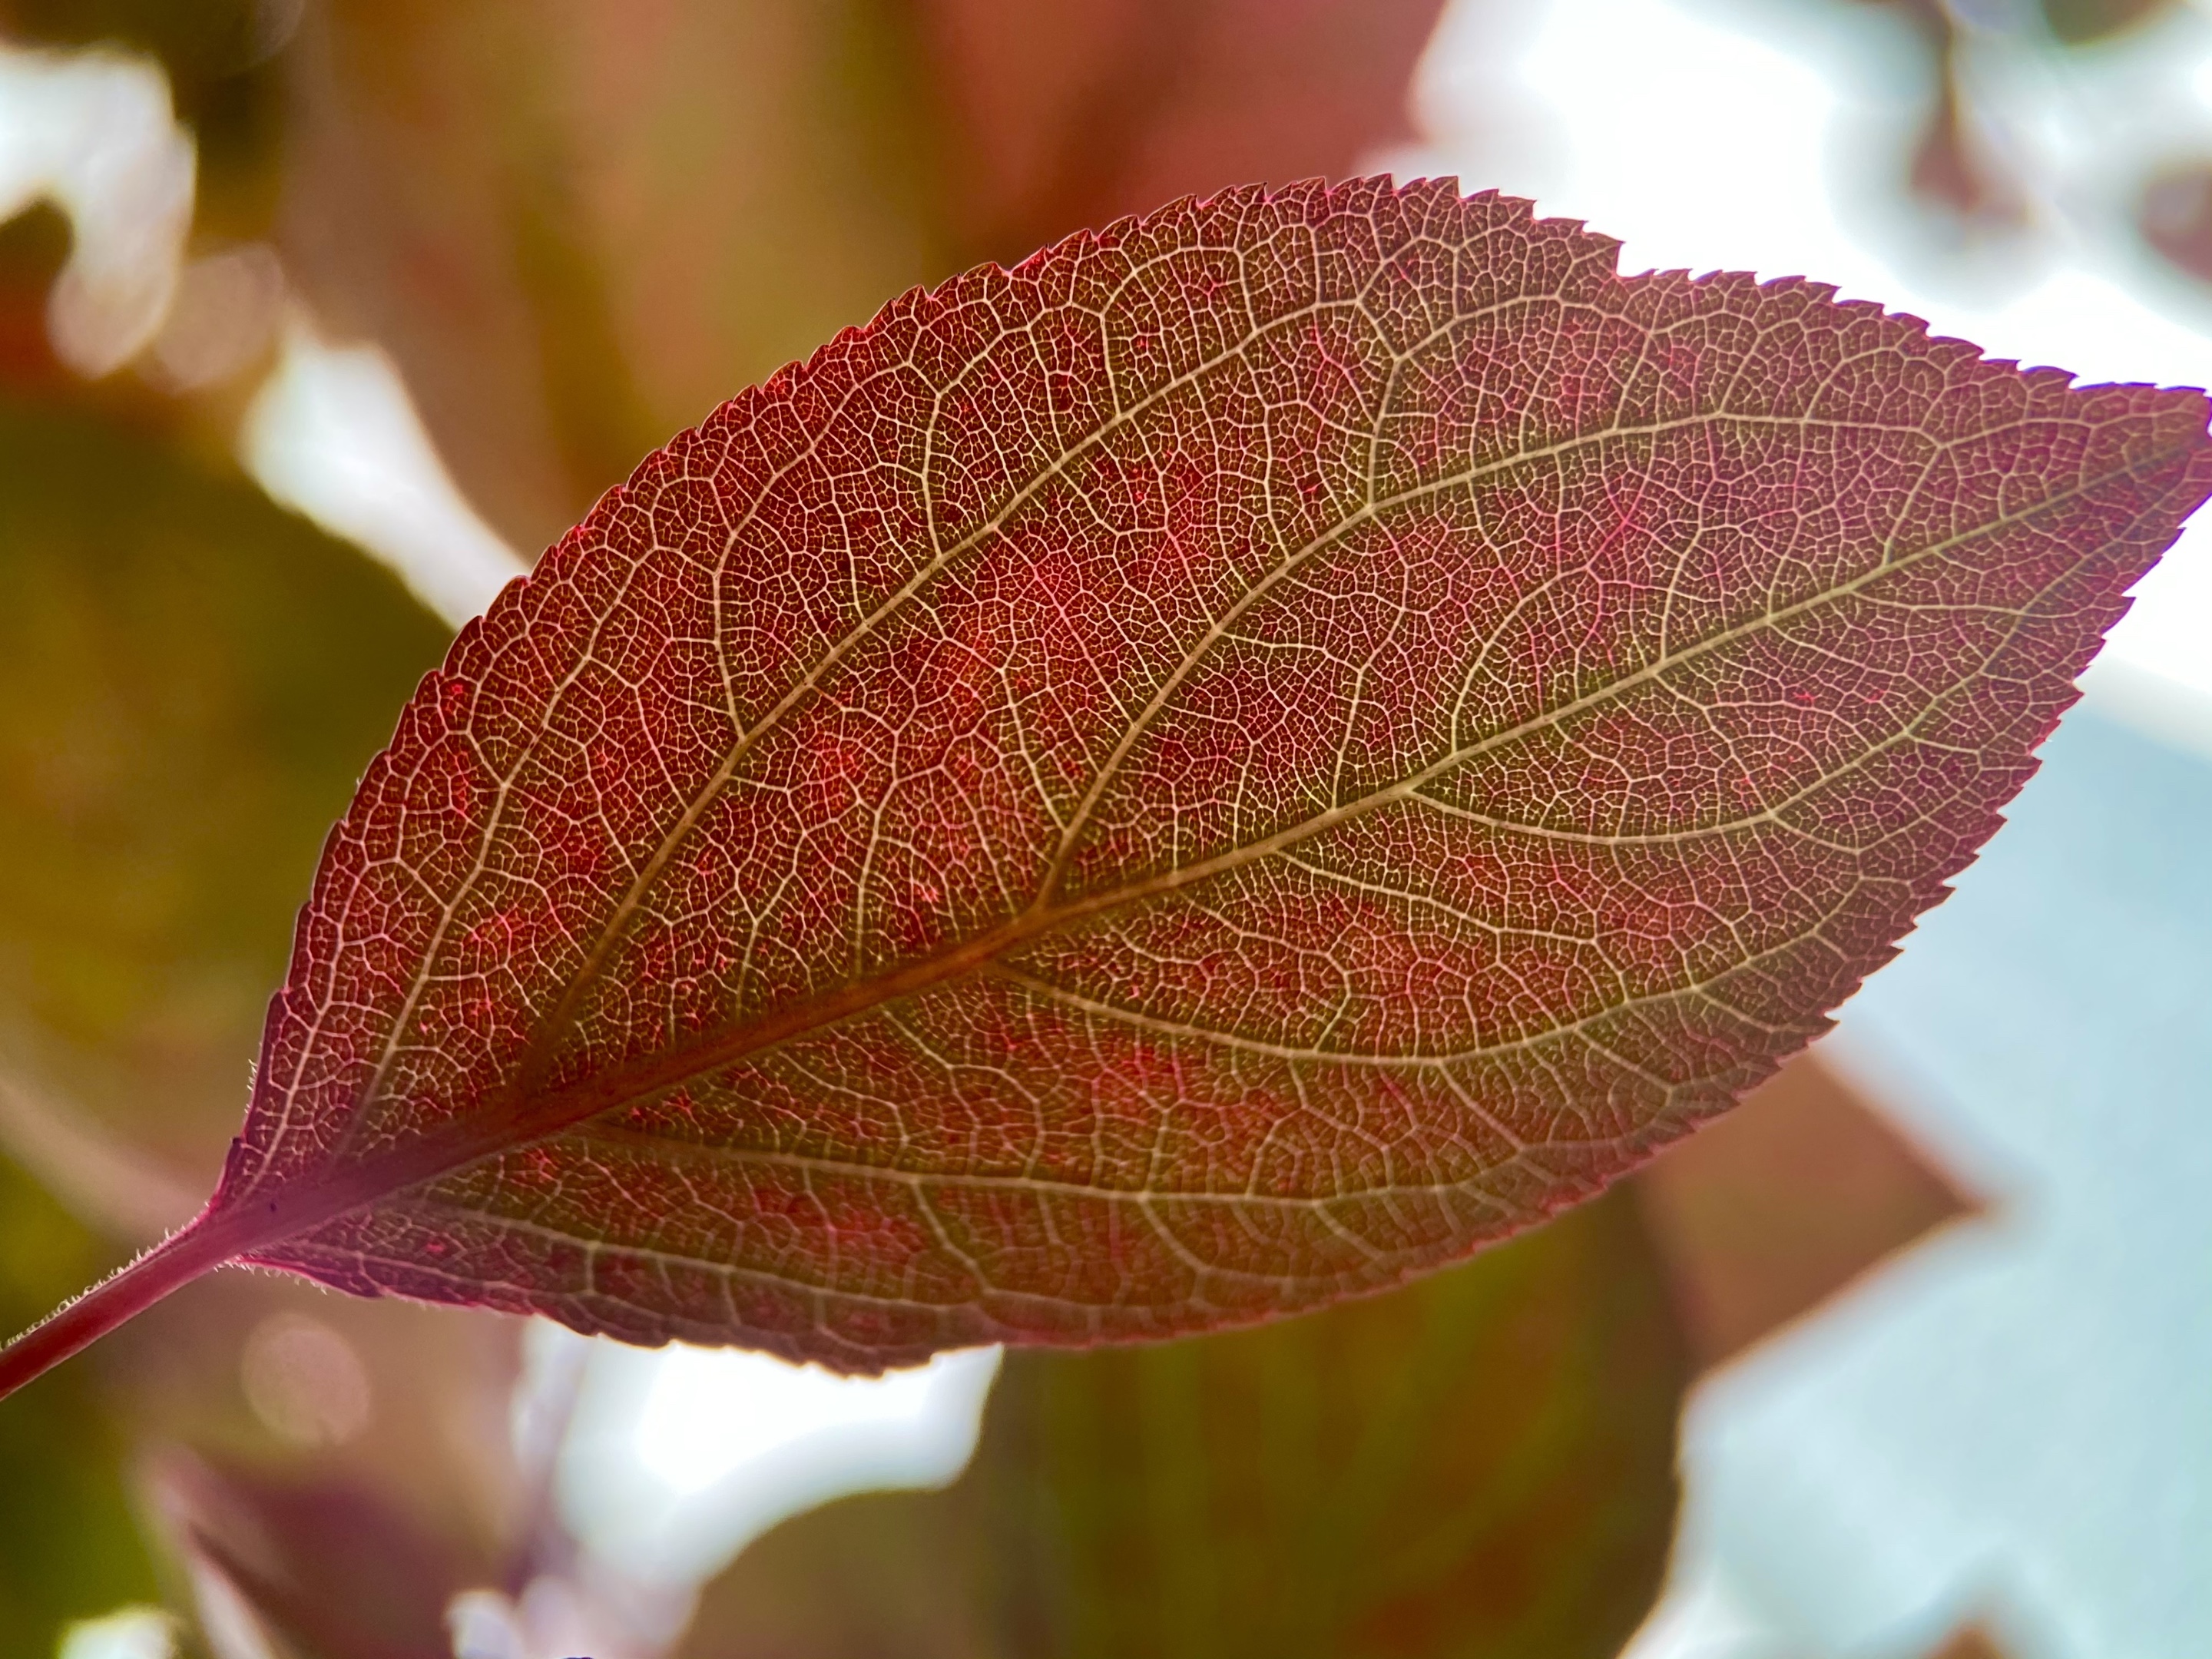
[
  {"x": 1212, "y": 772},
  {"x": 1481, "y": 1464}
]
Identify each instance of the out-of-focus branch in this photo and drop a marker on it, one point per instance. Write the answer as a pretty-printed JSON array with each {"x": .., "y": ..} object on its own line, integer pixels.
[{"x": 105, "y": 1183}]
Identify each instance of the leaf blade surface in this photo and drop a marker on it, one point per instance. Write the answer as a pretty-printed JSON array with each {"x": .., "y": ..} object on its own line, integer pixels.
[{"x": 1233, "y": 762}]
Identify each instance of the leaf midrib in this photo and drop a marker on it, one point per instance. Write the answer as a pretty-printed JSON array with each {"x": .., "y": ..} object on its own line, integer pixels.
[
  {"x": 615, "y": 927},
  {"x": 542, "y": 1051}
]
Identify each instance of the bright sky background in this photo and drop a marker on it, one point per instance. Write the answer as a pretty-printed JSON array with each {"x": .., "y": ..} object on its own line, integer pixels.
[{"x": 681, "y": 1457}]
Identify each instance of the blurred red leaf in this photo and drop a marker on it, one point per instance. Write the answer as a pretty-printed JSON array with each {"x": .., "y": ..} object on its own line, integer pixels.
[
  {"x": 1949, "y": 167},
  {"x": 1766, "y": 1213},
  {"x": 1952, "y": 169},
  {"x": 1067, "y": 116},
  {"x": 32, "y": 246},
  {"x": 2175, "y": 217},
  {"x": 1210, "y": 773},
  {"x": 1971, "y": 1641},
  {"x": 329, "y": 1568}
]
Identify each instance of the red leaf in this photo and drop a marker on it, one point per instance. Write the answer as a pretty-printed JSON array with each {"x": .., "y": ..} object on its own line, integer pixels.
[{"x": 1228, "y": 765}]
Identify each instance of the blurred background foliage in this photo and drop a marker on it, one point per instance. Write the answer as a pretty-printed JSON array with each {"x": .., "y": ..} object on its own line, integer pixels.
[
  {"x": 1479, "y": 1465},
  {"x": 70, "y": 1544},
  {"x": 575, "y": 225},
  {"x": 577, "y": 231},
  {"x": 190, "y": 680}
]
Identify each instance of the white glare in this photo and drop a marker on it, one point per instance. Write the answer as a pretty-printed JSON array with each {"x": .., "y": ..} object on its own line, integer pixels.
[
  {"x": 333, "y": 434},
  {"x": 92, "y": 132},
  {"x": 711, "y": 1412},
  {"x": 305, "y": 1382},
  {"x": 227, "y": 306},
  {"x": 126, "y": 1633},
  {"x": 679, "y": 1457},
  {"x": 556, "y": 1616},
  {"x": 1697, "y": 147}
]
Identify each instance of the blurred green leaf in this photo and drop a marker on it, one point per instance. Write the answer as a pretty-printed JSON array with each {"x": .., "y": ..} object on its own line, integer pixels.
[
  {"x": 69, "y": 1546},
  {"x": 190, "y": 681},
  {"x": 2077, "y": 23},
  {"x": 1481, "y": 1464}
]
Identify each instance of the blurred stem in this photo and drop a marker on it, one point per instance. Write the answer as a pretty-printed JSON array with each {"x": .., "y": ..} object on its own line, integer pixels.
[{"x": 169, "y": 1266}]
